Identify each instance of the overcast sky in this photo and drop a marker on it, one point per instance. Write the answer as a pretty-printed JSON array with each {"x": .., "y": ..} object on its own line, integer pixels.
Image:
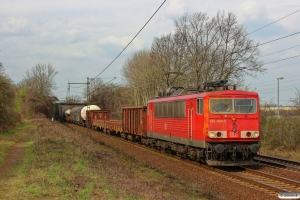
[{"x": 80, "y": 38}]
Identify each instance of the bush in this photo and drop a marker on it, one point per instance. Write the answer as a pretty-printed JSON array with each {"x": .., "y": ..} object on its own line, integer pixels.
[{"x": 281, "y": 132}]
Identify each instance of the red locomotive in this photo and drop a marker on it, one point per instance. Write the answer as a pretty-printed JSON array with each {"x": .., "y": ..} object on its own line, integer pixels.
[{"x": 219, "y": 127}]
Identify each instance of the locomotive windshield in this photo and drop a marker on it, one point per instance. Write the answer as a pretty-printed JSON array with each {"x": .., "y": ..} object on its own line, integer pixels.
[{"x": 232, "y": 106}]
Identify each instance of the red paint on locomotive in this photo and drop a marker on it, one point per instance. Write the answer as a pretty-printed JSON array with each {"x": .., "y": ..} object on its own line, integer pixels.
[{"x": 212, "y": 123}]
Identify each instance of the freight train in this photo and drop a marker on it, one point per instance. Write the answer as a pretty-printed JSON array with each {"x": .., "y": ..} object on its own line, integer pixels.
[{"x": 217, "y": 125}]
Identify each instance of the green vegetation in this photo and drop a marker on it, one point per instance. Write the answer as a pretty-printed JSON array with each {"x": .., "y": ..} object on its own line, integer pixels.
[
  {"x": 20, "y": 96},
  {"x": 62, "y": 164},
  {"x": 9, "y": 138},
  {"x": 9, "y": 132},
  {"x": 36, "y": 90},
  {"x": 8, "y": 117},
  {"x": 280, "y": 135}
]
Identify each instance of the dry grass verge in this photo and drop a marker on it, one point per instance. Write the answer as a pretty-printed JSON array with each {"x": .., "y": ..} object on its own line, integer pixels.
[
  {"x": 278, "y": 153},
  {"x": 62, "y": 164},
  {"x": 21, "y": 133}
]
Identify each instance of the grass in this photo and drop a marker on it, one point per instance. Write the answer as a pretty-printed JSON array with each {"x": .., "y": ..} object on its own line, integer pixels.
[
  {"x": 4, "y": 148},
  {"x": 289, "y": 155},
  {"x": 9, "y": 132},
  {"x": 62, "y": 164},
  {"x": 9, "y": 138}
]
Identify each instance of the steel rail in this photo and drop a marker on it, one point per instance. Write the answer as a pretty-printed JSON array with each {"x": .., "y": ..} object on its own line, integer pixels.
[
  {"x": 259, "y": 185},
  {"x": 276, "y": 166},
  {"x": 288, "y": 164},
  {"x": 293, "y": 183}
]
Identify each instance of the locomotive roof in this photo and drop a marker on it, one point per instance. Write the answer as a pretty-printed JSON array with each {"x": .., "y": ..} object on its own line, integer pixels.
[{"x": 219, "y": 94}]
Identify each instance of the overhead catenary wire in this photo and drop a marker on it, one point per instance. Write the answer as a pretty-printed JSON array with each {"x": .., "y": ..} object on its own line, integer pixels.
[
  {"x": 282, "y": 59},
  {"x": 89, "y": 92},
  {"x": 103, "y": 85},
  {"x": 130, "y": 40},
  {"x": 284, "y": 65},
  {"x": 283, "y": 91},
  {"x": 249, "y": 33},
  {"x": 274, "y": 80},
  {"x": 273, "y": 22},
  {"x": 83, "y": 85},
  {"x": 279, "y": 38},
  {"x": 279, "y": 51},
  {"x": 282, "y": 86},
  {"x": 282, "y": 100},
  {"x": 273, "y": 61},
  {"x": 158, "y": 10},
  {"x": 276, "y": 40},
  {"x": 60, "y": 92}
]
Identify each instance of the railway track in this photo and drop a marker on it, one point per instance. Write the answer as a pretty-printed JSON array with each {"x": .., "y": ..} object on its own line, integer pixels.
[
  {"x": 273, "y": 182},
  {"x": 267, "y": 183},
  {"x": 277, "y": 162}
]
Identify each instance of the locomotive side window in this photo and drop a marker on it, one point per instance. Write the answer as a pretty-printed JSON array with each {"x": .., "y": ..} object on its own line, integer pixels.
[
  {"x": 170, "y": 109},
  {"x": 199, "y": 106},
  {"x": 157, "y": 108},
  {"x": 165, "y": 109},
  {"x": 174, "y": 109},
  {"x": 179, "y": 109}
]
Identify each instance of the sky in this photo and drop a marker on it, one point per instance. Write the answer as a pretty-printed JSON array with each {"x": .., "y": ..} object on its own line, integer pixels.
[{"x": 80, "y": 38}]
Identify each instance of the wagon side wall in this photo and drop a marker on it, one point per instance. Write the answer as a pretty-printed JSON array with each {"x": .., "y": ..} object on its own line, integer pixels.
[{"x": 135, "y": 120}]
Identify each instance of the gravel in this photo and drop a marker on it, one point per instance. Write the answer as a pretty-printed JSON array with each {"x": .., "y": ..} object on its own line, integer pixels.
[{"x": 208, "y": 182}]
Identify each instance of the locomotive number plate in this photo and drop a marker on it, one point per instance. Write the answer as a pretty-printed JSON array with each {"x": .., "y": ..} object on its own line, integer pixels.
[{"x": 233, "y": 134}]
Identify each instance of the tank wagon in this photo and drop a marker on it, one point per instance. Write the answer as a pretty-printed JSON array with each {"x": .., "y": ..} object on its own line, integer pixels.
[
  {"x": 72, "y": 113},
  {"x": 84, "y": 110},
  {"x": 78, "y": 114},
  {"x": 217, "y": 125},
  {"x": 67, "y": 115}
]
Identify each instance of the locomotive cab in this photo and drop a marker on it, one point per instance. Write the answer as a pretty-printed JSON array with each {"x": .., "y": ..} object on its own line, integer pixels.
[{"x": 232, "y": 135}]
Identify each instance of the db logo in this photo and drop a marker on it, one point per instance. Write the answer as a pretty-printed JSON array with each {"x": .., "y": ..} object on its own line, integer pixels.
[{"x": 233, "y": 134}]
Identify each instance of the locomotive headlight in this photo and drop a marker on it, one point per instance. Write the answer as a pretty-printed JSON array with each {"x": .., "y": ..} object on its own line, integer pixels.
[
  {"x": 249, "y": 134},
  {"x": 212, "y": 134}
]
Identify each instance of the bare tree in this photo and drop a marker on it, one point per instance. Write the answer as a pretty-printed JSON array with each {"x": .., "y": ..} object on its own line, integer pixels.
[
  {"x": 217, "y": 48},
  {"x": 142, "y": 76},
  {"x": 167, "y": 53},
  {"x": 202, "y": 48},
  {"x": 109, "y": 96},
  {"x": 39, "y": 83},
  {"x": 40, "y": 80},
  {"x": 74, "y": 99}
]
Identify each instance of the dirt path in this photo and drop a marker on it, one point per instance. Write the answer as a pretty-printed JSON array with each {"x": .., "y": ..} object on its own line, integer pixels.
[
  {"x": 15, "y": 154},
  {"x": 13, "y": 157}
]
